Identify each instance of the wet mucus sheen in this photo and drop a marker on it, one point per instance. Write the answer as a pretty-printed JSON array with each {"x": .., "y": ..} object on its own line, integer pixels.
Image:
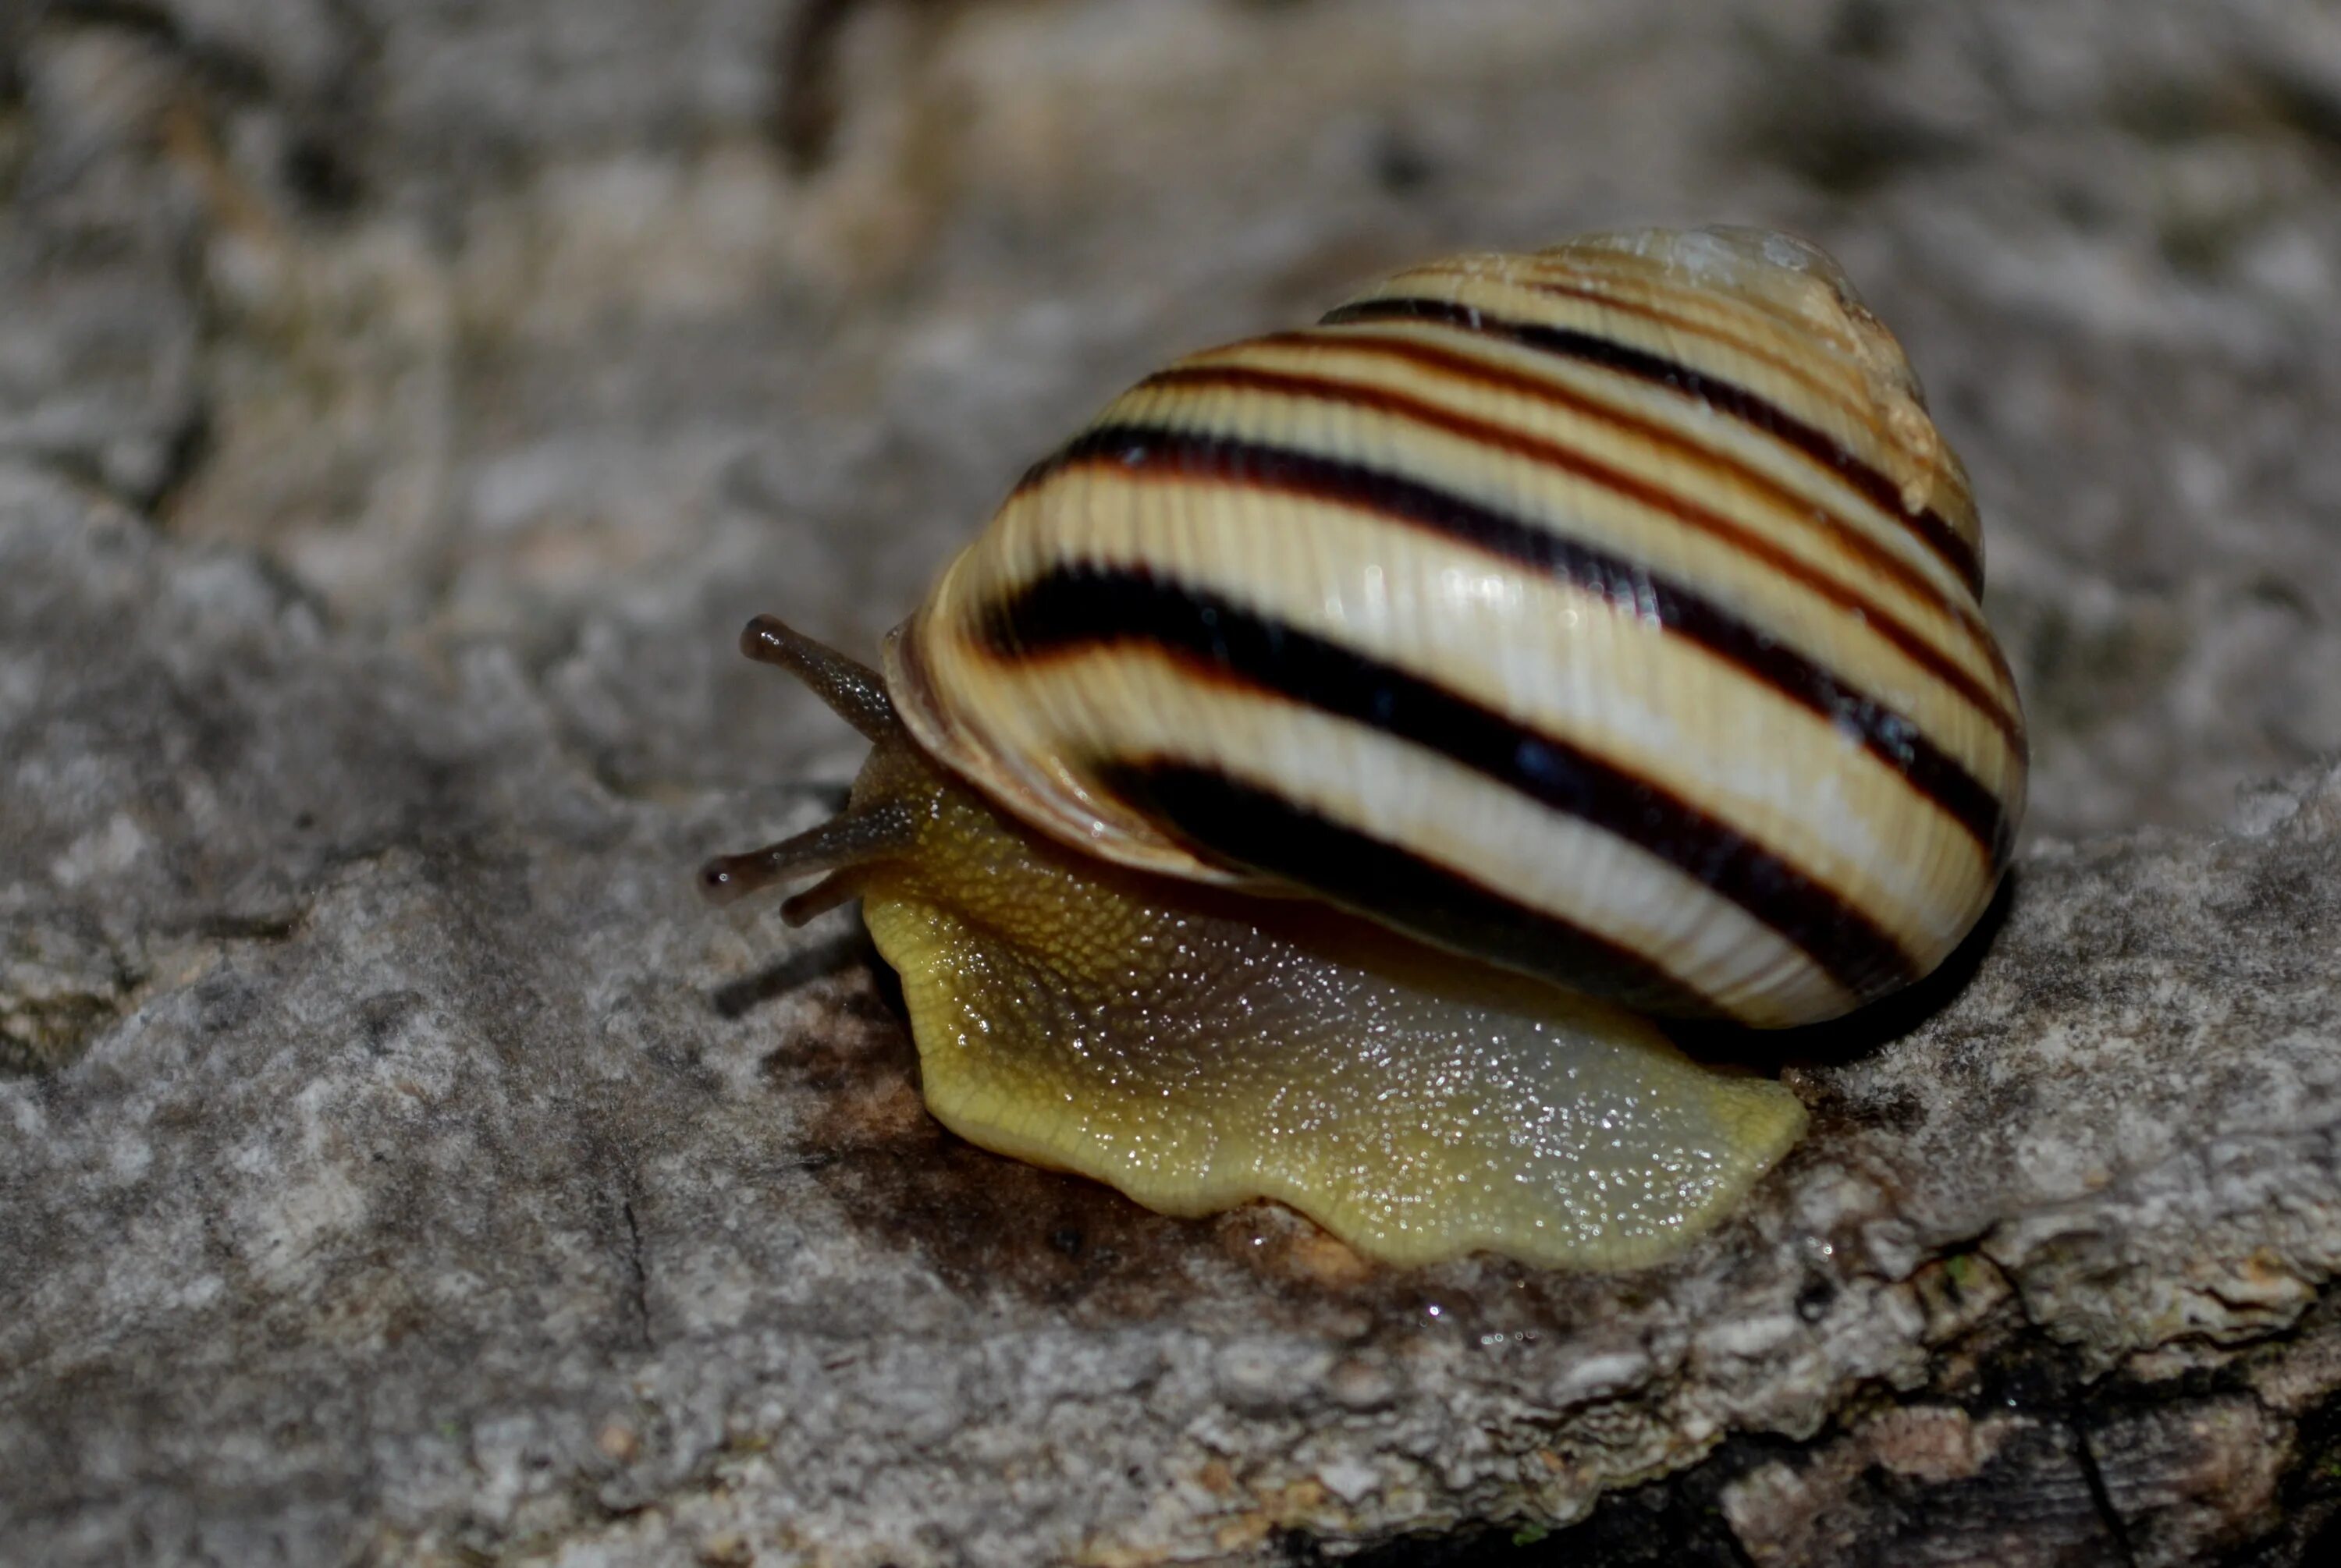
[{"x": 1242, "y": 801}]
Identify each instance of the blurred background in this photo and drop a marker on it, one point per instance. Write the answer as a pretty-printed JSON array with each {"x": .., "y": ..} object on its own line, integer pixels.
[{"x": 588, "y": 327}]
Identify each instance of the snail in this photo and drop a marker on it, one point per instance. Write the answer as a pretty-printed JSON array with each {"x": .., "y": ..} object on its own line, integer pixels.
[{"x": 1328, "y": 764}]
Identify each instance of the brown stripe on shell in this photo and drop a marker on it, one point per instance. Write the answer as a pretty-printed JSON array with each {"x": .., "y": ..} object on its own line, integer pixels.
[
  {"x": 1680, "y": 447},
  {"x": 1208, "y": 807},
  {"x": 1845, "y": 399},
  {"x": 1728, "y": 397},
  {"x": 1676, "y": 607},
  {"x": 1072, "y": 609},
  {"x": 1876, "y": 617}
]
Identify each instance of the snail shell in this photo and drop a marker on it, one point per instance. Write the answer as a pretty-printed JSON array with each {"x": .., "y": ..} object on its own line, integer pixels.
[
  {"x": 1608, "y": 612},
  {"x": 1604, "y": 616}
]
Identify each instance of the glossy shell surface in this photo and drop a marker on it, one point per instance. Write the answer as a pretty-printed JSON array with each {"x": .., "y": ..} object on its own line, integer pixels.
[{"x": 1609, "y": 612}]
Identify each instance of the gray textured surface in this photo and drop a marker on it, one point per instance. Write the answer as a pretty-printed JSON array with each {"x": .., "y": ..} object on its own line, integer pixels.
[{"x": 400, "y": 407}]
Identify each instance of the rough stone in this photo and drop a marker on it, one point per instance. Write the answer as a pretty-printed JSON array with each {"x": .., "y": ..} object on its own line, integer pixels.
[{"x": 401, "y": 405}]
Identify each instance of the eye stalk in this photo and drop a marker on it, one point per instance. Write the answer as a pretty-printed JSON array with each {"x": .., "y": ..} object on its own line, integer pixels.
[
  {"x": 839, "y": 845},
  {"x": 853, "y": 690},
  {"x": 864, "y": 833}
]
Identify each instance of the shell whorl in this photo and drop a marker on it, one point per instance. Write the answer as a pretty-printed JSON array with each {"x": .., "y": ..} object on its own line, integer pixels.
[{"x": 1608, "y": 612}]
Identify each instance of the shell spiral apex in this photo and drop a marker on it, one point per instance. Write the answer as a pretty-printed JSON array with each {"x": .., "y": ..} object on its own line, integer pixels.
[{"x": 1606, "y": 615}]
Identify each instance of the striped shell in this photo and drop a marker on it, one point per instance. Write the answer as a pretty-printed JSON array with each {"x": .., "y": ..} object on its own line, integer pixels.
[{"x": 1608, "y": 612}]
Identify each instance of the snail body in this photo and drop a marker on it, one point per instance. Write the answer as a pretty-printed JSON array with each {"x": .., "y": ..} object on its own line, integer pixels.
[{"x": 1245, "y": 797}]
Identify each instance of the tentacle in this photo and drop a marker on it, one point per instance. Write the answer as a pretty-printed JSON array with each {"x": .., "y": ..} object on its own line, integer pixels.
[
  {"x": 854, "y": 690},
  {"x": 837, "y": 888},
  {"x": 852, "y": 839}
]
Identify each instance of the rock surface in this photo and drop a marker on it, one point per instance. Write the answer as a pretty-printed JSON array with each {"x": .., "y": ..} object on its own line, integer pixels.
[{"x": 401, "y": 405}]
